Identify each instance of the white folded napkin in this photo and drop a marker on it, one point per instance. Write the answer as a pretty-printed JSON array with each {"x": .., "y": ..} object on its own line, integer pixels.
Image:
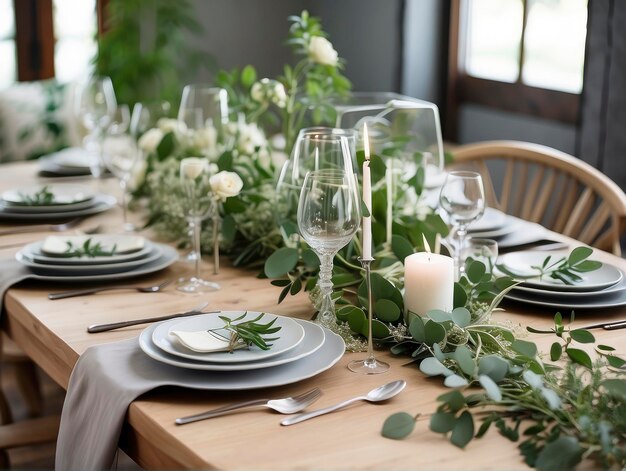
[{"x": 203, "y": 341}]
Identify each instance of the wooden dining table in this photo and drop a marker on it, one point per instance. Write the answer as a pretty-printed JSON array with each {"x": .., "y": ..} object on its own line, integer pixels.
[{"x": 53, "y": 334}]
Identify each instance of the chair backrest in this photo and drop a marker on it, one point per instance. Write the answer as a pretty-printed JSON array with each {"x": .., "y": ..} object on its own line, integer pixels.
[{"x": 544, "y": 185}]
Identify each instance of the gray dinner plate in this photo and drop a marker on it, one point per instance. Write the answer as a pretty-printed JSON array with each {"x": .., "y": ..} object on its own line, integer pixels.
[
  {"x": 102, "y": 203},
  {"x": 614, "y": 299},
  {"x": 94, "y": 269},
  {"x": 52, "y": 208},
  {"x": 527, "y": 291},
  {"x": 167, "y": 258},
  {"x": 313, "y": 339},
  {"x": 33, "y": 252},
  {"x": 321, "y": 360}
]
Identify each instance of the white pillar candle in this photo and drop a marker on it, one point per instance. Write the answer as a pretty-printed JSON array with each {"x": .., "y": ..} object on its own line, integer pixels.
[
  {"x": 367, "y": 198},
  {"x": 428, "y": 283}
]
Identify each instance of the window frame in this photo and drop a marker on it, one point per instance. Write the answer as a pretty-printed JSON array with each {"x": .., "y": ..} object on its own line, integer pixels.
[
  {"x": 515, "y": 97},
  {"x": 34, "y": 37}
]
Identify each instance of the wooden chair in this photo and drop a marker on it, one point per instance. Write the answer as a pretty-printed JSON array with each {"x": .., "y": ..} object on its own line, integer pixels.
[
  {"x": 25, "y": 432},
  {"x": 550, "y": 187}
]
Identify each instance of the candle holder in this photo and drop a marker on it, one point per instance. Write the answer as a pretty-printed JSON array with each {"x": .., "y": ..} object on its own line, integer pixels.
[{"x": 370, "y": 365}]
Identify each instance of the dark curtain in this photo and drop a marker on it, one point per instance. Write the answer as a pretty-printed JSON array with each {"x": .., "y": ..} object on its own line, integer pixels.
[{"x": 602, "y": 128}]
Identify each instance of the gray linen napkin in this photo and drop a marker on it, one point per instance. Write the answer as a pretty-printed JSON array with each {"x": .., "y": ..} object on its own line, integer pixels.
[{"x": 11, "y": 272}]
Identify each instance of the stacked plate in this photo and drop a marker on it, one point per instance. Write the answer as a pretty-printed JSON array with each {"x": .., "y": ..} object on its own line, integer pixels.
[
  {"x": 62, "y": 258},
  {"x": 73, "y": 161},
  {"x": 302, "y": 350},
  {"x": 602, "y": 288},
  {"x": 44, "y": 203},
  {"x": 507, "y": 230}
]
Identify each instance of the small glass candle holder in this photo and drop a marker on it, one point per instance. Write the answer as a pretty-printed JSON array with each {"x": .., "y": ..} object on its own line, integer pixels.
[{"x": 482, "y": 250}]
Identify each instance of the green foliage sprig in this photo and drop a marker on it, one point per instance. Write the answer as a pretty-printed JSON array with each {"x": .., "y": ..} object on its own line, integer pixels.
[
  {"x": 249, "y": 332},
  {"x": 565, "y": 269},
  {"x": 560, "y": 413},
  {"x": 40, "y": 198},
  {"x": 88, "y": 249}
]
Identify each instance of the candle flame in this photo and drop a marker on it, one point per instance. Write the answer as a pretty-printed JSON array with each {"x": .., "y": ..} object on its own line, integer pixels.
[
  {"x": 426, "y": 245},
  {"x": 366, "y": 142}
]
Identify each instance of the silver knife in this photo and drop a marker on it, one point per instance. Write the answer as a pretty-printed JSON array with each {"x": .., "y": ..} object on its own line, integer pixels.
[
  {"x": 96, "y": 328},
  {"x": 612, "y": 325}
]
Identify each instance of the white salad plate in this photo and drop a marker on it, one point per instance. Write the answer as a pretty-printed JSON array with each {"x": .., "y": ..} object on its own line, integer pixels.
[
  {"x": 123, "y": 244},
  {"x": 527, "y": 292},
  {"x": 313, "y": 339},
  {"x": 102, "y": 203},
  {"x": 33, "y": 252},
  {"x": 289, "y": 336},
  {"x": 521, "y": 263},
  {"x": 311, "y": 365},
  {"x": 491, "y": 220},
  {"x": 85, "y": 269},
  {"x": 168, "y": 257},
  {"x": 49, "y": 208},
  {"x": 63, "y": 194}
]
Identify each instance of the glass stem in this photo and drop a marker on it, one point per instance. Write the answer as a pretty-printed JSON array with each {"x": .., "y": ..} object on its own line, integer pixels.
[
  {"x": 123, "y": 186},
  {"x": 325, "y": 283},
  {"x": 196, "y": 222},
  {"x": 461, "y": 233},
  {"x": 216, "y": 240},
  {"x": 370, "y": 307}
]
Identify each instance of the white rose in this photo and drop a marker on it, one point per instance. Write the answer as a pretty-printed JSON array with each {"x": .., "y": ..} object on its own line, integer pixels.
[
  {"x": 225, "y": 184},
  {"x": 150, "y": 140},
  {"x": 172, "y": 125},
  {"x": 322, "y": 51},
  {"x": 257, "y": 93},
  {"x": 250, "y": 137},
  {"x": 279, "y": 96},
  {"x": 191, "y": 167}
]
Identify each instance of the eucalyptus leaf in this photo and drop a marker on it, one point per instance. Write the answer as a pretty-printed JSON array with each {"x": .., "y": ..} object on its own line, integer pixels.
[
  {"x": 493, "y": 366},
  {"x": 582, "y": 336},
  {"x": 463, "y": 430},
  {"x": 579, "y": 254},
  {"x": 386, "y": 310},
  {"x": 461, "y": 317},
  {"x": 398, "y": 426},
  {"x": 492, "y": 389},
  {"x": 438, "y": 315},
  {"x": 464, "y": 359},
  {"x": 455, "y": 381},
  {"x": 433, "y": 332},
  {"x": 556, "y": 351},
  {"x": 416, "y": 329},
  {"x": 433, "y": 367},
  {"x": 442, "y": 422},
  {"x": 528, "y": 349},
  {"x": 401, "y": 247},
  {"x": 579, "y": 356},
  {"x": 615, "y": 387},
  {"x": 562, "y": 454},
  {"x": 281, "y": 262},
  {"x": 454, "y": 400}
]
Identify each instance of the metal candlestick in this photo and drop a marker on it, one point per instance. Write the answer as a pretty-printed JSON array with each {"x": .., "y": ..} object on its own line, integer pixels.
[{"x": 369, "y": 365}]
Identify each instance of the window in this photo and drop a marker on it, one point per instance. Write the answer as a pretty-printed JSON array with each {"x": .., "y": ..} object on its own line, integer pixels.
[
  {"x": 8, "y": 71},
  {"x": 522, "y": 56},
  {"x": 41, "y": 39}
]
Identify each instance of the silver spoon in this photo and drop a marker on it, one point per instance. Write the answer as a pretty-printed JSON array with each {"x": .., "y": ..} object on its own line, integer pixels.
[
  {"x": 381, "y": 393},
  {"x": 288, "y": 405}
]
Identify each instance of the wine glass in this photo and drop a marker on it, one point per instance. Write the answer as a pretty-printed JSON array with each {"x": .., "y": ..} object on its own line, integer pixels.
[
  {"x": 120, "y": 154},
  {"x": 95, "y": 105},
  {"x": 463, "y": 198},
  {"x": 202, "y": 105},
  {"x": 146, "y": 115},
  {"x": 303, "y": 159},
  {"x": 199, "y": 205},
  {"x": 328, "y": 218}
]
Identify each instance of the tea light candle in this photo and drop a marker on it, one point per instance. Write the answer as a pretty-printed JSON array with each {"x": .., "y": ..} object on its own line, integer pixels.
[{"x": 428, "y": 283}]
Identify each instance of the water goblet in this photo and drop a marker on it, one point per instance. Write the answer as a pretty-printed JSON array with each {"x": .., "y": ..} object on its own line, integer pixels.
[
  {"x": 120, "y": 154},
  {"x": 463, "y": 198},
  {"x": 482, "y": 250},
  {"x": 199, "y": 205},
  {"x": 95, "y": 105},
  {"x": 328, "y": 218},
  {"x": 316, "y": 148}
]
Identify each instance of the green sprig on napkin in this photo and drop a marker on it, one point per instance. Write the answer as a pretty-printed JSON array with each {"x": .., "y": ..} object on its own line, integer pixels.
[
  {"x": 565, "y": 269},
  {"x": 40, "y": 198},
  {"x": 88, "y": 249},
  {"x": 248, "y": 332}
]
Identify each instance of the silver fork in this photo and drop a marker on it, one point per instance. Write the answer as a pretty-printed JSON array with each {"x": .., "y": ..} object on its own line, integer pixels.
[
  {"x": 42, "y": 228},
  {"x": 85, "y": 291},
  {"x": 287, "y": 405}
]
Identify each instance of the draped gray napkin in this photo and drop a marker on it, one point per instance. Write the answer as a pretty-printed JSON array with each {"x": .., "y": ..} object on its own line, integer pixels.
[
  {"x": 105, "y": 380},
  {"x": 11, "y": 272}
]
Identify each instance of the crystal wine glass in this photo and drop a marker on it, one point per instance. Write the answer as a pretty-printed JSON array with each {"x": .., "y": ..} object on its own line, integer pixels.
[
  {"x": 303, "y": 159},
  {"x": 194, "y": 184},
  {"x": 120, "y": 154},
  {"x": 463, "y": 198},
  {"x": 146, "y": 115},
  {"x": 202, "y": 105},
  {"x": 95, "y": 105},
  {"x": 328, "y": 218}
]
